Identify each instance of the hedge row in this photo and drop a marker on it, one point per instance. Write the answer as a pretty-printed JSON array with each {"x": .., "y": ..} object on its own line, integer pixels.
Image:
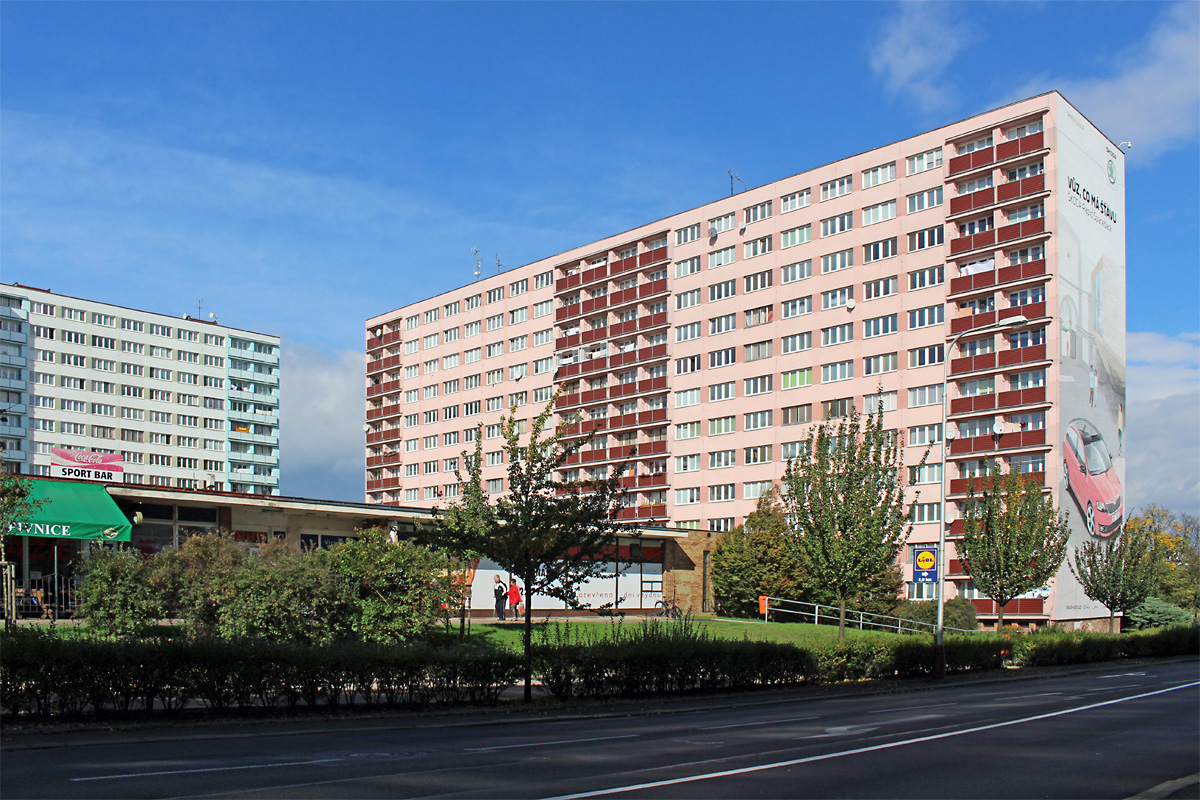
[
  {"x": 45, "y": 674},
  {"x": 1055, "y": 646}
]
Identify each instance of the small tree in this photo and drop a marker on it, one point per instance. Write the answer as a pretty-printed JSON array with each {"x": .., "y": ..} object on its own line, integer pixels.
[
  {"x": 754, "y": 559},
  {"x": 552, "y": 535},
  {"x": 1119, "y": 574},
  {"x": 117, "y": 598},
  {"x": 845, "y": 499},
  {"x": 1176, "y": 554},
  {"x": 1014, "y": 539},
  {"x": 16, "y": 504}
]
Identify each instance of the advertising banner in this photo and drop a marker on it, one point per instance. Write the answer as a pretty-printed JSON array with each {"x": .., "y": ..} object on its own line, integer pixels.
[
  {"x": 86, "y": 465},
  {"x": 1090, "y": 246}
]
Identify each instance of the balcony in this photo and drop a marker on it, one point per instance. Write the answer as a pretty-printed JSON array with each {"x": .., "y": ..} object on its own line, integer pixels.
[
  {"x": 643, "y": 512},
  {"x": 972, "y": 201},
  {"x": 652, "y": 288},
  {"x": 622, "y": 328},
  {"x": 652, "y": 384},
  {"x": 386, "y": 458},
  {"x": 959, "y": 366},
  {"x": 963, "y": 485},
  {"x": 1009, "y": 441},
  {"x": 593, "y": 395},
  {"x": 654, "y": 353},
  {"x": 1021, "y": 230},
  {"x": 1021, "y": 272},
  {"x": 383, "y": 388},
  {"x": 652, "y": 416},
  {"x": 972, "y": 241},
  {"x": 1022, "y": 355},
  {"x": 380, "y": 364},
  {"x": 1022, "y": 188},
  {"x": 1020, "y": 147},
  {"x": 389, "y": 410},
  {"x": 624, "y": 296},
  {"x": 623, "y": 389},
  {"x": 1029, "y": 311},
  {"x": 1035, "y": 395},
  {"x": 652, "y": 321},
  {"x": 593, "y": 304},
  {"x": 970, "y": 161},
  {"x": 1022, "y": 607},
  {"x": 982, "y": 320},
  {"x": 375, "y": 342},
  {"x": 593, "y": 364},
  {"x": 565, "y": 342},
  {"x": 973, "y": 405},
  {"x": 383, "y": 483}
]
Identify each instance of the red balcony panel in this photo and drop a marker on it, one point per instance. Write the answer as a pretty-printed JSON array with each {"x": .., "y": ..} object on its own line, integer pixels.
[
  {"x": 652, "y": 321},
  {"x": 593, "y": 364},
  {"x": 1033, "y": 142},
  {"x": 562, "y": 284},
  {"x": 652, "y": 448},
  {"x": 561, "y": 313},
  {"x": 1033, "y": 227},
  {"x": 970, "y": 405},
  {"x": 1022, "y": 355},
  {"x": 566, "y": 371},
  {"x": 625, "y": 296},
  {"x": 658, "y": 254},
  {"x": 1007, "y": 150},
  {"x": 622, "y": 389},
  {"x": 652, "y": 288},
  {"x": 961, "y": 203},
  {"x": 374, "y": 436},
  {"x": 654, "y": 415},
  {"x": 389, "y": 483},
  {"x": 961, "y": 405},
  {"x": 983, "y": 239},
  {"x": 1033, "y": 184},
  {"x": 374, "y": 461},
  {"x": 622, "y": 421},
  {"x": 588, "y": 306},
  {"x": 595, "y": 274},
  {"x": 1029, "y": 310},
  {"x": 627, "y": 513},
  {"x": 651, "y": 353},
  {"x": 657, "y": 479},
  {"x": 960, "y": 324},
  {"x": 981, "y": 158},
  {"x": 1008, "y": 191},
  {"x": 658, "y": 383},
  {"x": 563, "y": 342},
  {"x": 621, "y": 359},
  {"x": 1022, "y": 397},
  {"x": 572, "y": 459},
  {"x": 1009, "y": 232},
  {"x": 567, "y": 400},
  {"x": 960, "y": 164},
  {"x": 960, "y": 245},
  {"x": 372, "y": 485},
  {"x": 955, "y": 567}
]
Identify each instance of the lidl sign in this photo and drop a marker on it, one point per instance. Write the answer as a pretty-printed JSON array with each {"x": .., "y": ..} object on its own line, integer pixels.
[{"x": 925, "y": 565}]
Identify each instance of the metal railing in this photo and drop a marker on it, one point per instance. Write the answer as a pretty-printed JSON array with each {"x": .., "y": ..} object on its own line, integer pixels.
[{"x": 863, "y": 620}]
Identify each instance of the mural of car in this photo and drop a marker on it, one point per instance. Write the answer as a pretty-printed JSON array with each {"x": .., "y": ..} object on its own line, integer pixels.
[{"x": 1091, "y": 479}]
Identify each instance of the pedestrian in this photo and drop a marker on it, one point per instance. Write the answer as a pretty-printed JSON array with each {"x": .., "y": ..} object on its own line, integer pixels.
[
  {"x": 501, "y": 593},
  {"x": 1092, "y": 386},
  {"x": 514, "y": 599},
  {"x": 1120, "y": 429}
]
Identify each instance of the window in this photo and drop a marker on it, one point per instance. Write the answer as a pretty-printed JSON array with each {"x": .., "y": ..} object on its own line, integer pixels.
[
  {"x": 1024, "y": 130},
  {"x": 518, "y": 315},
  {"x": 925, "y": 395},
  {"x": 1026, "y": 254},
  {"x": 688, "y": 266},
  {"x": 687, "y": 299},
  {"x": 431, "y": 316},
  {"x": 428, "y": 367},
  {"x": 685, "y": 365},
  {"x": 722, "y": 391},
  {"x": 795, "y": 236},
  {"x": 797, "y": 307},
  {"x": 541, "y": 309},
  {"x": 973, "y": 226},
  {"x": 877, "y": 251},
  {"x": 924, "y": 356},
  {"x": 721, "y": 493},
  {"x": 795, "y": 342},
  {"x": 1025, "y": 171},
  {"x": 412, "y": 346},
  {"x": 877, "y": 365},
  {"x": 837, "y": 261},
  {"x": 839, "y": 371},
  {"x": 719, "y": 258},
  {"x": 721, "y": 459},
  {"x": 518, "y": 287},
  {"x": 922, "y": 162},
  {"x": 758, "y": 212},
  {"x": 978, "y": 305},
  {"x": 931, "y": 198},
  {"x": 836, "y": 409},
  {"x": 722, "y": 425},
  {"x": 873, "y": 215},
  {"x": 796, "y": 272},
  {"x": 880, "y": 401},
  {"x": 688, "y": 397},
  {"x": 1035, "y": 211},
  {"x": 796, "y": 378},
  {"x": 472, "y": 355},
  {"x": 975, "y": 185},
  {"x": 543, "y": 365},
  {"x": 836, "y": 298},
  {"x": 760, "y": 385},
  {"x": 1027, "y": 338},
  {"x": 495, "y": 349},
  {"x": 757, "y": 351},
  {"x": 495, "y": 322},
  {"x": 875, "y": 176},
  {"x": 722, "y": 324},
  {"x": 1027, "y": 380},
  {"x": 837, "y": 188},
  {"x": 759, "y": 316},
  {"x": 719, "y": 291},
  {"x": 832, "y": 226},
  {"x": 926, "y": 317},
  {"x": 495, "y": 295},
  {"x": 756, "y": 420},
  {"x": 930, "y": 276},
  {"x": 978, "y": 144},
  {"x": 925, "y": 473},
  {"x": 1027, "y": 296},
  {"x": 922, "y": 240},
  {"x": 687, "y": 430},
  {"x": 919, "y": 435},
  {"x": 689, "y": 234},
  {"x": 450, "y": 361},
  {"x": 837, "y": 334},
  {"x": 721, "y": 224},
  {"x": 795, "y": 201},
  {"x": 722, "y": 358},
  {"x": 796, "y": 415},
  {"x": 758, "y": 281},
  {"x": 687, "y": 463},
  {"x": 686, "y": 497},
  {"x": 494, "y": 376},
  {"x": 684, "y": 333},
  {"x": 543, "y": 337}
]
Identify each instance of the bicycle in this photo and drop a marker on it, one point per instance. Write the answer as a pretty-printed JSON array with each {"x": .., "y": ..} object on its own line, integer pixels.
[{"x": 669, "y": 609}]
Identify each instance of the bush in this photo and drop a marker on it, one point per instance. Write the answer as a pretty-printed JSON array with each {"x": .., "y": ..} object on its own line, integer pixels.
[
  {"x": 1154, "y": 613},
  {"x": 117, "y": 599},
  {"x": 957, "y": 613},
  {"x": 1058, "y": 646}
]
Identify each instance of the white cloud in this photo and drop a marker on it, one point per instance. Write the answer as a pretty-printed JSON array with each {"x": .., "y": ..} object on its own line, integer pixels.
[
  {"x": 320, "y": 423},
  {"x": 920, "y": 42},
  {"x": 1152, "y": 98},
  {"x": 1163, "y": 431}
]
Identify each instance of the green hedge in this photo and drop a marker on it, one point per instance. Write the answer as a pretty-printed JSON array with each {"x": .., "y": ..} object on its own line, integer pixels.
[
  {"x": 45, "y": 674},
  {"x": 1055, "y": 646}
]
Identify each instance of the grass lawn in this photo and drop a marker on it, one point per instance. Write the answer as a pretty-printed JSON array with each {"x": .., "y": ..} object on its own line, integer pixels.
[{"x": 509, "y": 634}]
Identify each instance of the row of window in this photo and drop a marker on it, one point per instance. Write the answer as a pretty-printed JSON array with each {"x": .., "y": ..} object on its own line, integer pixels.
[
  {"x": 139, "y": 326},
  {"x": 451, "y": 335}
]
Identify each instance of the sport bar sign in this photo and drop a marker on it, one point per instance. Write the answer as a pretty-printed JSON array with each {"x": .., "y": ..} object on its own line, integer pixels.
[{"x": 86, "y": 465}]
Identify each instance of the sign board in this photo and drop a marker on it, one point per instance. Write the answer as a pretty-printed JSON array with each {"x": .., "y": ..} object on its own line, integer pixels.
[
  {"x": 925, "y": 564},
  {"x": 86, "y": 465}
]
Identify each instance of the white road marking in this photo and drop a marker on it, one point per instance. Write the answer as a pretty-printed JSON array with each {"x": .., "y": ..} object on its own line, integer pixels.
[
  {"x": 544, "y": 744},
  {"x": 848, "y": 730},
  {"x": 749, "y": 724},
  {"x": 858, "y": 750},
  {"x": 1120, "y": 675},
  {"x": 1116, "y": 688},
  {"x": 206, "y": 769},
  {"x": 910, "y": 708}
]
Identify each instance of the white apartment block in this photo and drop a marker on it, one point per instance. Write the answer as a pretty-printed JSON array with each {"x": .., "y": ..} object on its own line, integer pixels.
[{"x": 185, "y": 402}]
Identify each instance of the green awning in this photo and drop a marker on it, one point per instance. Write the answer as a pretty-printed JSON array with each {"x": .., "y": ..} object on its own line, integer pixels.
[{"x": 74, "y": 511}]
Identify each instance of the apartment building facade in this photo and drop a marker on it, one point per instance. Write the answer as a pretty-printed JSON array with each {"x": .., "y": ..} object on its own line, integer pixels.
[
  {"x": 976, "y": 271},
  {"x": 142, "y": 397}
]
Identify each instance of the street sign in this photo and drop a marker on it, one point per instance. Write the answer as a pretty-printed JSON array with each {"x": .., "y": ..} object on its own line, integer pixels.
[{"x": 925, "y": 564}]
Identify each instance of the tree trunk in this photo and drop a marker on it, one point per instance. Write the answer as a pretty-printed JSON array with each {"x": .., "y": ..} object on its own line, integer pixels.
[
  {"x": 842, "y": 618},
  {"x": 1112, "y": 621},
  {"x": 528, "y": 637},
  {"x": 1000, "y": 618}
]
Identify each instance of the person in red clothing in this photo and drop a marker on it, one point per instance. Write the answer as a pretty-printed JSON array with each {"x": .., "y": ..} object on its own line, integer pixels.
[{"x": 514, "y": 598}]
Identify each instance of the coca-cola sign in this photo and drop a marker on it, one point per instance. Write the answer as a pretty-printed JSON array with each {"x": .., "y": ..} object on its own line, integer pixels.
[{"x": 111, "y": 462}]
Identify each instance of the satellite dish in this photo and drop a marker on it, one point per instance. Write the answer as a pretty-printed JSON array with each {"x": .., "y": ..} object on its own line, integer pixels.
[
  {"x": 712, "y": 230},
  {"x": 951, "y": 433},
  {"x": 850, "y": 304},
  {"x": 378, "y": 332},
  {"x": 998, "y": 428}
]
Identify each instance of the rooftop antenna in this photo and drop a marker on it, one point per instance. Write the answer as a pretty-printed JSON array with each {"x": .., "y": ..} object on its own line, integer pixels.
[
  {"x": 499, "y": 266},
  {"x": 478, "y": 262},
  {"x": 200, "y": 308},
  {"x": 733, "y": 176}
]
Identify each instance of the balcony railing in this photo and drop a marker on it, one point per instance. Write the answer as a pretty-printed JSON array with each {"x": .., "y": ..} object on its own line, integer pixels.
[
  {"x": 1008, "y": 441},
  {"x": 963, "y": 485}
]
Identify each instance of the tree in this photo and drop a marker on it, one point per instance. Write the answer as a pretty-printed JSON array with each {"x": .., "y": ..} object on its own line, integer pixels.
[
  {"x": 1014, "y": 539},
  {"x": 845, "y": 499},
  {"x": 553, "y": 535},
  {"x": 117, "y": 598},
  {"x": 1119, "y": 574},
  {"x": 755, "y": 559},
  {"x": 16, "y": 504},
  {"x": 1176, "y": 554}
]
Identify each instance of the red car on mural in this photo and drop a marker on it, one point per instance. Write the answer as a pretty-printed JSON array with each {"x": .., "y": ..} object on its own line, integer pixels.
[{"x": 1090, "y": 477}]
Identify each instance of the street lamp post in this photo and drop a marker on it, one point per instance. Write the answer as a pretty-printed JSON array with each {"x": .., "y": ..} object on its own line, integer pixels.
[{"x": 939, "y": 647}]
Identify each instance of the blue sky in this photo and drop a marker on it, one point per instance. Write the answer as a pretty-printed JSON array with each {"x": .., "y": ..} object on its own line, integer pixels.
[{"x": 301, "y": 167}]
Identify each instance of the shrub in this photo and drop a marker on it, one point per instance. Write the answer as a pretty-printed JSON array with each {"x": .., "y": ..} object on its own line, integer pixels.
[
  {"x": 1154, "y": 613},
  {"x": 117, "y": 599},
  {"x": 957, "y": 613}
]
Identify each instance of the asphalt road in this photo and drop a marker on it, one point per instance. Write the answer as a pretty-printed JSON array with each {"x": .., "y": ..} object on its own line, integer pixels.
[{"x": 1111, "y": 732}]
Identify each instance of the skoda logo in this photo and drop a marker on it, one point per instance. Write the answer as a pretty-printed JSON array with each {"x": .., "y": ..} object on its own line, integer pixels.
[
  {"x": 111, "y": 533},
  {"x": 1112, "y": 171}
]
